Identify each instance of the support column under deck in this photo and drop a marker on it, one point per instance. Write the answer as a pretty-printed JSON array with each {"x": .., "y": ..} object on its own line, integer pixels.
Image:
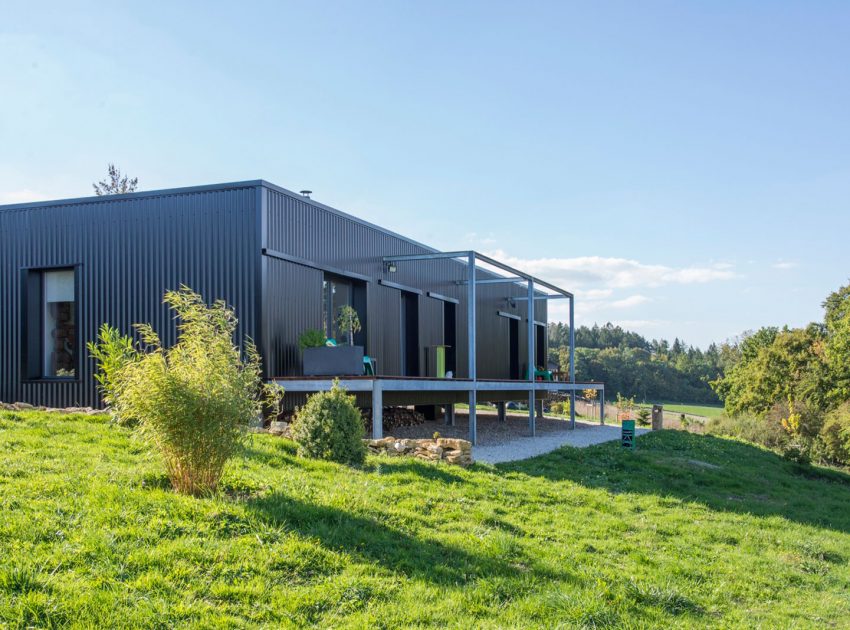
[
  {"x": 531, "y": 367},
  {"x": 500, "y": 406},
  {"x": 377, "y": 410},
  {"x": 449, "y": 415},
  {"x": 473, "y": 419}
]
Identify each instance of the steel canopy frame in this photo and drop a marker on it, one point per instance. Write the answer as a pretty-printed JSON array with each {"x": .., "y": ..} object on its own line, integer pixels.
[{"x": 472, "y": 257}]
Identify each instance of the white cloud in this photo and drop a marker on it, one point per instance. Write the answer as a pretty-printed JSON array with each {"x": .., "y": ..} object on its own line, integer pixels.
[
  {"x": 480, "y": 240},
  {"x": 20, "y": 196},
  {"x": 785, "y": 264},
  {"x": 640, "y": 324},
  {"x": 615, "y": 273},
  {"x": 593, "y": 294},
  {"x": 628, "y": 302}
]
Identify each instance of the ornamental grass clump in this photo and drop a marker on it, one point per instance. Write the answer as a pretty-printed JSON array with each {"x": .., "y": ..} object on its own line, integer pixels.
[
  {"x": 194, "y": 399},
  {"x": 329, "y": 426}
]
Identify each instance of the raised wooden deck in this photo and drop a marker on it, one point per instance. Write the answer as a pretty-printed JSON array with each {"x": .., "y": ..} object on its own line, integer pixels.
[{"x": 405, "y": 390}]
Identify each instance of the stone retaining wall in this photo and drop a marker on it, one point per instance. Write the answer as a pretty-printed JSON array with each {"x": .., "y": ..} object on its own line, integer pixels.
[
  {"x": 20, "y": 406},
  {"x": 449, "y": 450}
]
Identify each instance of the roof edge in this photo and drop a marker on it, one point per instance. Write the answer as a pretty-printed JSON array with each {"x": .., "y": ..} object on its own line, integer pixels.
[{"x": 254, "y": 183}]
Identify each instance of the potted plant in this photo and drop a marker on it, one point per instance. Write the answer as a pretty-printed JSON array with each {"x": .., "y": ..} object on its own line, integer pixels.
[
  {"x": 348, "y": 320},
  {"x": 323, "y": 357}
]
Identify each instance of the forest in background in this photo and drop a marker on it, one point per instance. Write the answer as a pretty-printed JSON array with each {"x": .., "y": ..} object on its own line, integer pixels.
[
  {"x": 650, "y": 370},
  {"x": 786, "y": 388}
]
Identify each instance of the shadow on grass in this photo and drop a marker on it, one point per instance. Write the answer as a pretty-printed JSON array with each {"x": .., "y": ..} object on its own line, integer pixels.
[
  {"x": 369, "y": 539},
  {"x": 722, "y": 474},
  {"x": 402, "y": 465}
]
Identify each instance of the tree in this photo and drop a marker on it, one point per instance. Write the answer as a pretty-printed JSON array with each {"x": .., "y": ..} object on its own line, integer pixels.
[
  {"x": 837, "y": 347},
  {"x": 115, "y": 184}
]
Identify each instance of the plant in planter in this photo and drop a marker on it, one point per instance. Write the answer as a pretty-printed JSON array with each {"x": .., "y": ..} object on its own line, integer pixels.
[
  {"x": 319, "y": 359},
  {"x": 312, "y": 338},
  {"x": 347, "y": 320}
]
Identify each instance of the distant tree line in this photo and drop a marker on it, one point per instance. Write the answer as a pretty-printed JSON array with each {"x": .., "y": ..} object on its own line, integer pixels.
[{"x": 633, "y": 366}]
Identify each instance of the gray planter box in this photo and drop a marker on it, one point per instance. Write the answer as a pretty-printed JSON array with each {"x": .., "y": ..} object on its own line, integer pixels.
[{"x": 338, "y": 361}]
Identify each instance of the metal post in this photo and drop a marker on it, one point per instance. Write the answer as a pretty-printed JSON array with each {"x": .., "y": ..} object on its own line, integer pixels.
[
  {"x": 471, "y": 325},
  {"x": 377, "y": 410},
  {"x": 502, "y": 413},
  {"x": 531, "y": 366},
  {"x": 572, "y": 362},
  {"x": 601, "y": 407},
  {"x": 450, "y": 414},
  {"x": 473, "y": 417}
]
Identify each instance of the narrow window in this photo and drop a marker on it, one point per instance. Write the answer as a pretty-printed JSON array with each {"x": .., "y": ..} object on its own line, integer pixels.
[
  {"x": 52, "y": 339},
  {"x": 336, "y": 293}
]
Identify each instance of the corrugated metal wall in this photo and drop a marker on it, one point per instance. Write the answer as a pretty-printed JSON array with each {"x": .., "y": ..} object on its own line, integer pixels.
[
  {"x": 129, "y": 250},
  {"x": 302, "y": 228}
]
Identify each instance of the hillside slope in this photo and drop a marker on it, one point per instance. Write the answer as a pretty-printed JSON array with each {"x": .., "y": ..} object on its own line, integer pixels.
[{"x": 689, "y": 531}]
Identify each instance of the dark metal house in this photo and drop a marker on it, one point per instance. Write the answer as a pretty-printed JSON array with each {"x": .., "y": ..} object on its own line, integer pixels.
[{"x": 285, "y": 263}]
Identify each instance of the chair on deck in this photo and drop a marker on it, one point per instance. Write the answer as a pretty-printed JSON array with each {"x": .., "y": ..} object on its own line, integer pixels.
[{"x": 370, "y": 365}]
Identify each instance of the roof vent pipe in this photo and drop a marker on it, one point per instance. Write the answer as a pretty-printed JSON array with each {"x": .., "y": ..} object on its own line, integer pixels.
[{"x": 307, "y": 193}]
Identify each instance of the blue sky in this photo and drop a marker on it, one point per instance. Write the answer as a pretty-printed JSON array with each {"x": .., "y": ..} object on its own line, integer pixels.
[{"x": 684, "y": 167}]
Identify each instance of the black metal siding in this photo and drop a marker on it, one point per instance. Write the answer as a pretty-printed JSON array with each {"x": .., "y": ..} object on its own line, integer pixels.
[
  {"x": 299, "y": 227},
  {"x": 129, "y": 249}
]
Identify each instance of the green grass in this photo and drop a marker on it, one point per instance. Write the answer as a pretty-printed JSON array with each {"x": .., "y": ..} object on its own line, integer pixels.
[
  {"x": 709, "y": 411},
  {"x": 688, "y": 531}
]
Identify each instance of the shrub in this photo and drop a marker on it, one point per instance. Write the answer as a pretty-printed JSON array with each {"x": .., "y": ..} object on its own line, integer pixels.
[
  {"x": 835, "y": 436},
  {"x": 311, "y": 338},
  {"x": 113, "y": 352},
  {"x": 643, "y": 415},
  {"x": 193, "y": 399},
  {"x": 561, "y": 407},
  {"x": 329, "y": 426},
  {"x": 765, "y": 431}
]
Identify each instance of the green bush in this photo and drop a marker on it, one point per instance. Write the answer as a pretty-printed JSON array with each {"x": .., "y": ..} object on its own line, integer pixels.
[
  {"x": 643, "y": 416},
  {"x": 194, "y": 399},
  {"x": 561, "y": 408},
  {"x": 113, "y": 352},
  {"x": 311, "y": 338},
  {"x": 765, "y": 431},
  {"x": 329, "y": 426},
  {"x": 835, "y": 436}
]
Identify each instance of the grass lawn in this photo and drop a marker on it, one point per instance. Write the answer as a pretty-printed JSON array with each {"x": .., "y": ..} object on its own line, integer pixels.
[
  {"x": 709, "y": 411},
  {"x": 688, "y": 531}
]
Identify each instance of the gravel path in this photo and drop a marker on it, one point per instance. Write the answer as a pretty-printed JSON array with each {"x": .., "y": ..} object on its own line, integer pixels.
[
  {"x": 585, "y": 434},
  {"x": 509, "y": 441}
]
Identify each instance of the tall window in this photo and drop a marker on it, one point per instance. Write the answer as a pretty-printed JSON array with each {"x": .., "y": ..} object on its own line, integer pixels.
[
  {"x": 337, "y": 292},
  {"x": 52, "y": 339}
]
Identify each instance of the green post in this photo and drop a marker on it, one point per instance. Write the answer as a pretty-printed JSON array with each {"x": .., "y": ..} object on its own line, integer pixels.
[
  {"x": 441, "y": 361},
  {"x": 628, "y": 434}
]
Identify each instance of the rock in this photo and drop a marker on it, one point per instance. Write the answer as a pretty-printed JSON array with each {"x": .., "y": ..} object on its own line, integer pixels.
[
  {"x": 459, "y": 460},
  {"x": 436, "y": 450},
  {"x": 456, "y": 444},
  {"x": 22, "y": 406},
  {"x": 278, "y": 428}
]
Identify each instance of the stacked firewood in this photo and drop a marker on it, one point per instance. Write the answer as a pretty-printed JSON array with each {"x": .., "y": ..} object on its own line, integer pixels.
[{"x": 394, "y": 417}]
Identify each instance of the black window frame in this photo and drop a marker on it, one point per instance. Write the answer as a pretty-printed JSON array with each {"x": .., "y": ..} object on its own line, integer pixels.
[
  {"x": 357, "y": 299},
  {"x": 32, "y": 279}
]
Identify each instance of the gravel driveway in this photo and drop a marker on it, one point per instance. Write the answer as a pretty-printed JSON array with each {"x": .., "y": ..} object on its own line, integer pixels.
[{"x": 509, "y": 441}]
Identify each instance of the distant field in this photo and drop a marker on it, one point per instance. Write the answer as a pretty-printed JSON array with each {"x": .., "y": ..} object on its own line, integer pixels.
[{"x": 709, "y": 411}]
